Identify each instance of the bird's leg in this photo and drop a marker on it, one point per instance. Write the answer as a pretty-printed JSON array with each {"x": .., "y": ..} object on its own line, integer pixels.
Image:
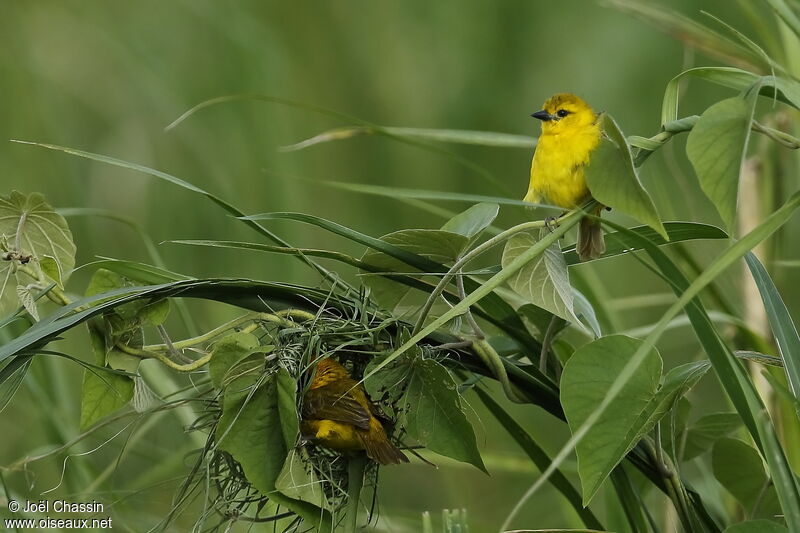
[{"x": 551, "y": 223}]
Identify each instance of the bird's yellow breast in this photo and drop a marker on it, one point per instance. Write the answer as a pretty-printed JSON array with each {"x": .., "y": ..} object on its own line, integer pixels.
[{"x": 557, "y": 169}]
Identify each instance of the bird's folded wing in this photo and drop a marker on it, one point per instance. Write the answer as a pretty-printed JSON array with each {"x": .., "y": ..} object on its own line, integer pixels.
[{"x": 324, "y": 403}]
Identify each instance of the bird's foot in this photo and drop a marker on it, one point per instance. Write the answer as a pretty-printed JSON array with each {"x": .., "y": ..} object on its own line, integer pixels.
[{"x": 551, "y": 223}]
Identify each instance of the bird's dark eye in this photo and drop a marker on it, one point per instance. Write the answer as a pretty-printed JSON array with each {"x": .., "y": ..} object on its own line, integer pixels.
[{"x": 562, "y": 113}]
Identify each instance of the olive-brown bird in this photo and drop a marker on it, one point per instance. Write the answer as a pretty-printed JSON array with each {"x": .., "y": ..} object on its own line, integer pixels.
[
  {"x": 571, "y": 131},
  {"x": 337, "y": 414}
]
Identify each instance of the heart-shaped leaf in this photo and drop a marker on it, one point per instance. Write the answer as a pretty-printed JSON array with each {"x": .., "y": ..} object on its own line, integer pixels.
[{"x": 30, "y": 230}]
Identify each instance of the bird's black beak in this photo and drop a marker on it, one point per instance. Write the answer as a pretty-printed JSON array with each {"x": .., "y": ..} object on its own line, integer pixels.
[{"x": 543, "y": 115}]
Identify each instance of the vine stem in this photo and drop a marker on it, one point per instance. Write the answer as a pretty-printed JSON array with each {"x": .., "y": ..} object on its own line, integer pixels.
[
  {"x": 475, "y": 252},
  {"x": 157, "y": 351},
  {"x": 355, "y": 481}
]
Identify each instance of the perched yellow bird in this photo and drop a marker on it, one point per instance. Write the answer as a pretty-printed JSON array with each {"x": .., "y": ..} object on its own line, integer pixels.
[
  {"x": 570, "y": 133},
  {"x": 338, "y": 414}
]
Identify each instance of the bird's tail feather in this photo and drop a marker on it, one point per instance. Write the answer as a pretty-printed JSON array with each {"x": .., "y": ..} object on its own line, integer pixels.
[
  {"x": 382, "y": 451},
  {"x": 591, "y": 243}
]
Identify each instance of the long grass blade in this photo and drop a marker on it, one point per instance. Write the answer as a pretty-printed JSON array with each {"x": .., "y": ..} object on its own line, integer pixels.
[
  {"x": 780, "y": 321},
  {"x": 374, "y": 128},
  {"x": 472, "y": 137},
  {"x": 230, "y": 208},
  {"x": 539, "y": 458}
]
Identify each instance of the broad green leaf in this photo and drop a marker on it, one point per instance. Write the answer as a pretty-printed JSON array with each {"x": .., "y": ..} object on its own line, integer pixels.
[
  {"x": 227, "y": 353},
  {"x": 544, "y": 281},
  {"x": 473, "y": 221},
  {"x": 153, "y": 313},
  {"x": 757, "y": 526},
  {"x": 739, "y": 468},
  {"x": 27, "y": 299},
  {"x": 587, "y": 377},
  {"x": 119, "y": 360},
  {"x": 299, "y": 481},
  {"x": 701, "y": 435},
  {"x": 675, "y": 384},
  {"x": 250, "y": 430},
  {"x": 780, "y": 321},
  {"x": 51, "y": 268},
  {"x": 30, "y": 229},
  {"x": 717, "y": 146},
  {"x": 287, "y": 407},
  {"x": 430, "y": 408},
  {"x": 614, "y": 181},
  {"x": 102, "y": 393},
  {"x": 401, "y": 299}
]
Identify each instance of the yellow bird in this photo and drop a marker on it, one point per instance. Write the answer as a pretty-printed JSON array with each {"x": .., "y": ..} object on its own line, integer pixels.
[
  {"x": 570, "y": 133},
  {"x": 338, "y": 414}
]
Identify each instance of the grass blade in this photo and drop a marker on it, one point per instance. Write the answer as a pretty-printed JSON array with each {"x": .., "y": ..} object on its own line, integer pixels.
[
  {"x": 230, "y": 208},
  {"x": 780, "y": 321},
  {"x": 374, "y": 128},
  {"x": 539, "y": 458},
  {"x": 472, "y": 137}
]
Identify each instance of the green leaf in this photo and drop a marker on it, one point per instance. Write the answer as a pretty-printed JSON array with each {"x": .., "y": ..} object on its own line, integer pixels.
[
  {"x": 780, "y": 321},
  {"x": 250, "y": 430},
  {"x": 702, "y": 435},
  {"x": 432, "y": 412},
  {"x": 101, "y": 396},
  {"x": 544, "y": 281},
  {"x": 30, "y": 229},
  {"x": 757, "y": 526},
  {"x": 717, "y": 146},
  {"x": 287, "y": 407},
  {"x": 227, "y": 353},
  {"x": 473, "y": 221},
  {"x": 27, "y": 299},
  {"x": 153, "y": 313},
  {"x": 675, "y": 384},
  {"x": 51, "y": 268},
  {"x": 587, "y": 376},
  {"x": 739, "y": 468},
  {"x": 613, "y": 179},
  {"x": 102, "y": 393},
  {"x": 298, "y": 480},
  {"x": 401, "y": 299}
]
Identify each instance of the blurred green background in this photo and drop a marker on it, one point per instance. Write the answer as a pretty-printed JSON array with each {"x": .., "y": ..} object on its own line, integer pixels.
[{"x": 107, "y": 77}]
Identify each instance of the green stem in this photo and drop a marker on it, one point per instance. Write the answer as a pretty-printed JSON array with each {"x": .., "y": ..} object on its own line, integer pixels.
[
  {"x": 355, "y": 480},
  {"x": 157, "y": 351},
  {"x": 55, "y": 294}
]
